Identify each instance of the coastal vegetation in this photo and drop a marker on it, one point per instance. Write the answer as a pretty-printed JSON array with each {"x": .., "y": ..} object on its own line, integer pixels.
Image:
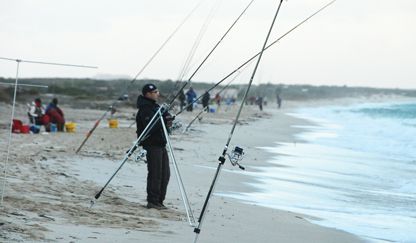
[{"x": 93, "y": 91}]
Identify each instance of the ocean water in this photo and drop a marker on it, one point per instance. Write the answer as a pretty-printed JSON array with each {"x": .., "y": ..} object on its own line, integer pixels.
[{"x": 356, "y": 171}]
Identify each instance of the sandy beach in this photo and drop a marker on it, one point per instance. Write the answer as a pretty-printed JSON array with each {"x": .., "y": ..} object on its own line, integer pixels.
[{"x": 49, "y": 187}]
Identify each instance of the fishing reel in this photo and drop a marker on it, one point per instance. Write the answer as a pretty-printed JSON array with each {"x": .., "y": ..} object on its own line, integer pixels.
[
  {"x": 176, "y": 125},
  {"x": 141, "y": 156},
  {"x": 235, "y": 156}
]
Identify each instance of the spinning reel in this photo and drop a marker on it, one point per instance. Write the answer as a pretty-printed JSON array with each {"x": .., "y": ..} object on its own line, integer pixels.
[
  {"x": 236, "y": 156},
  {"x": 141, "y": 156}
]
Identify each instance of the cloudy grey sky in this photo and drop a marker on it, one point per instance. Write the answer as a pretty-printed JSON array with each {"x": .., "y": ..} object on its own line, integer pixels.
[{"x": 353, "y": 42}]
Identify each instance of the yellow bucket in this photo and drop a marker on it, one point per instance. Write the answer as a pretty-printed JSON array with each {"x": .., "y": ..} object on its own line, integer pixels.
[
  {"x": 70, "y": 126},
  {"x": 113, "y": 123}
]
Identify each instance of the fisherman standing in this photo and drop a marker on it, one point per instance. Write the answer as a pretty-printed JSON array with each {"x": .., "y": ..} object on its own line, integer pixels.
[
  {"x": 182, "y": 99},
  {"x": 190, "y": 97},
  {"x": 155, "y": 145},
  {"x": 205, "y": 101}
]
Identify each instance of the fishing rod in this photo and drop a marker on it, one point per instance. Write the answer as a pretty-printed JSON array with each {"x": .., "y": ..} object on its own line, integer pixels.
[
  {"x": 190, "y": 56},
  {"x": 111, "y": 107},
  {"x": 237, "y": 153},
  {"x": 197, "y": 41},
  {"x": 151, "y": 124},
  {"x": 169, "y": 105},
  {"x": 196, "y": 117},
  {"x": 209, "y": 54},
  {"x": 205, "y": 108},
  {"x": 237, "y": 150},
  {"x": 157, "y": 116},
  {"x": 253, "y": 57},
  {"x": 16, "y": 83}
]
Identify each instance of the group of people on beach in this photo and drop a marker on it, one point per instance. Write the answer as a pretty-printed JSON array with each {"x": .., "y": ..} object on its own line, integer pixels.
[
  {"x": 52, "y": 117},
  {"x": 187, "y": 100}
]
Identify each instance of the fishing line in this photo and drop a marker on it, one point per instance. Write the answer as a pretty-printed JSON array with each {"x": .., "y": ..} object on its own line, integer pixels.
[
  {"x": 197, "y": 229},
  {"x": 199, "y": 115},
  {"x": 209, "y": 54},
  {"x": 156, "y": 117},
  {"x": 137, "y": 75},
  {"x": 268, "y": 46},
  {"x": 197, "y": 41},
  {"x": 205, "y": 59}
]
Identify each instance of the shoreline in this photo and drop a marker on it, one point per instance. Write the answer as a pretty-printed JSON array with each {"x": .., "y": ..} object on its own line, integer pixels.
[{"x": 227, "y": 219}]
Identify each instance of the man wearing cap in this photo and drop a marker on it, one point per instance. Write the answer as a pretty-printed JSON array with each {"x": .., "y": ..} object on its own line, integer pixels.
[{"x": 154, "y": 143}]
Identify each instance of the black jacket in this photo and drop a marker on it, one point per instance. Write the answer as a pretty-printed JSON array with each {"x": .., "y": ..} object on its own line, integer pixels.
[{"x": 147, "y": 109}]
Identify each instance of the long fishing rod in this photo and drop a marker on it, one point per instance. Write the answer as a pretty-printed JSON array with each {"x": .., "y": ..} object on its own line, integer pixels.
[
  {"x": 197, "y": 229},
  {"x": 18, "y": 61},
  {"x": 190, "y": 56},
  {"x": 167, "y": 107},
  {"x": 197, "y": 41},
  {"x": 111, "y": 107},
  {"x": 198, "y": 116},
  {"x": 252, "y": 58},
  {"x": 209, "y": 54}
]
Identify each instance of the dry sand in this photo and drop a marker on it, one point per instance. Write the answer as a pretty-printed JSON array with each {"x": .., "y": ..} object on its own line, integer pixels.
[{"x": 49, "y": 187}]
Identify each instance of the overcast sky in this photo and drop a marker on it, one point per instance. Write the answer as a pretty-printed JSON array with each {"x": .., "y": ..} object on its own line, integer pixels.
[{"x": 353, "y": 42}]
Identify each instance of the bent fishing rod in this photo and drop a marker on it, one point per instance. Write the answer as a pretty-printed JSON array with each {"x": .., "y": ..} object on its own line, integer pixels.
[
  {"x": 111, "y": 107},
  {"x": 253, "y": 57},
  {"x": 197, "y": 229}
]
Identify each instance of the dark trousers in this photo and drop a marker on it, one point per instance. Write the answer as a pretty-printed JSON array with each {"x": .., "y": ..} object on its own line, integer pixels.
[{"x": 158, "y": 173}]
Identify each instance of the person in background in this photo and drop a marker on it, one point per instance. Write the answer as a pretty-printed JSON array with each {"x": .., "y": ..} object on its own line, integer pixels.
[
  {"x": 217, "y": 99},
  {"x": 279, "y": 101},
  {"x": 37, "y": 115},
  {"x": 155, "y": 145},
  {"x": 205, "y": 101},
  {"x": 190, "y": 97},
  {"x": 56, "y": 115},
  {"x": 182, "y": 99},
  {"x": 259, "y": 102}
]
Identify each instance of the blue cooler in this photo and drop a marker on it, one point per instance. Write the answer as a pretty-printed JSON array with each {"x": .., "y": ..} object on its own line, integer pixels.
[{"x": 54, "y": 128}]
